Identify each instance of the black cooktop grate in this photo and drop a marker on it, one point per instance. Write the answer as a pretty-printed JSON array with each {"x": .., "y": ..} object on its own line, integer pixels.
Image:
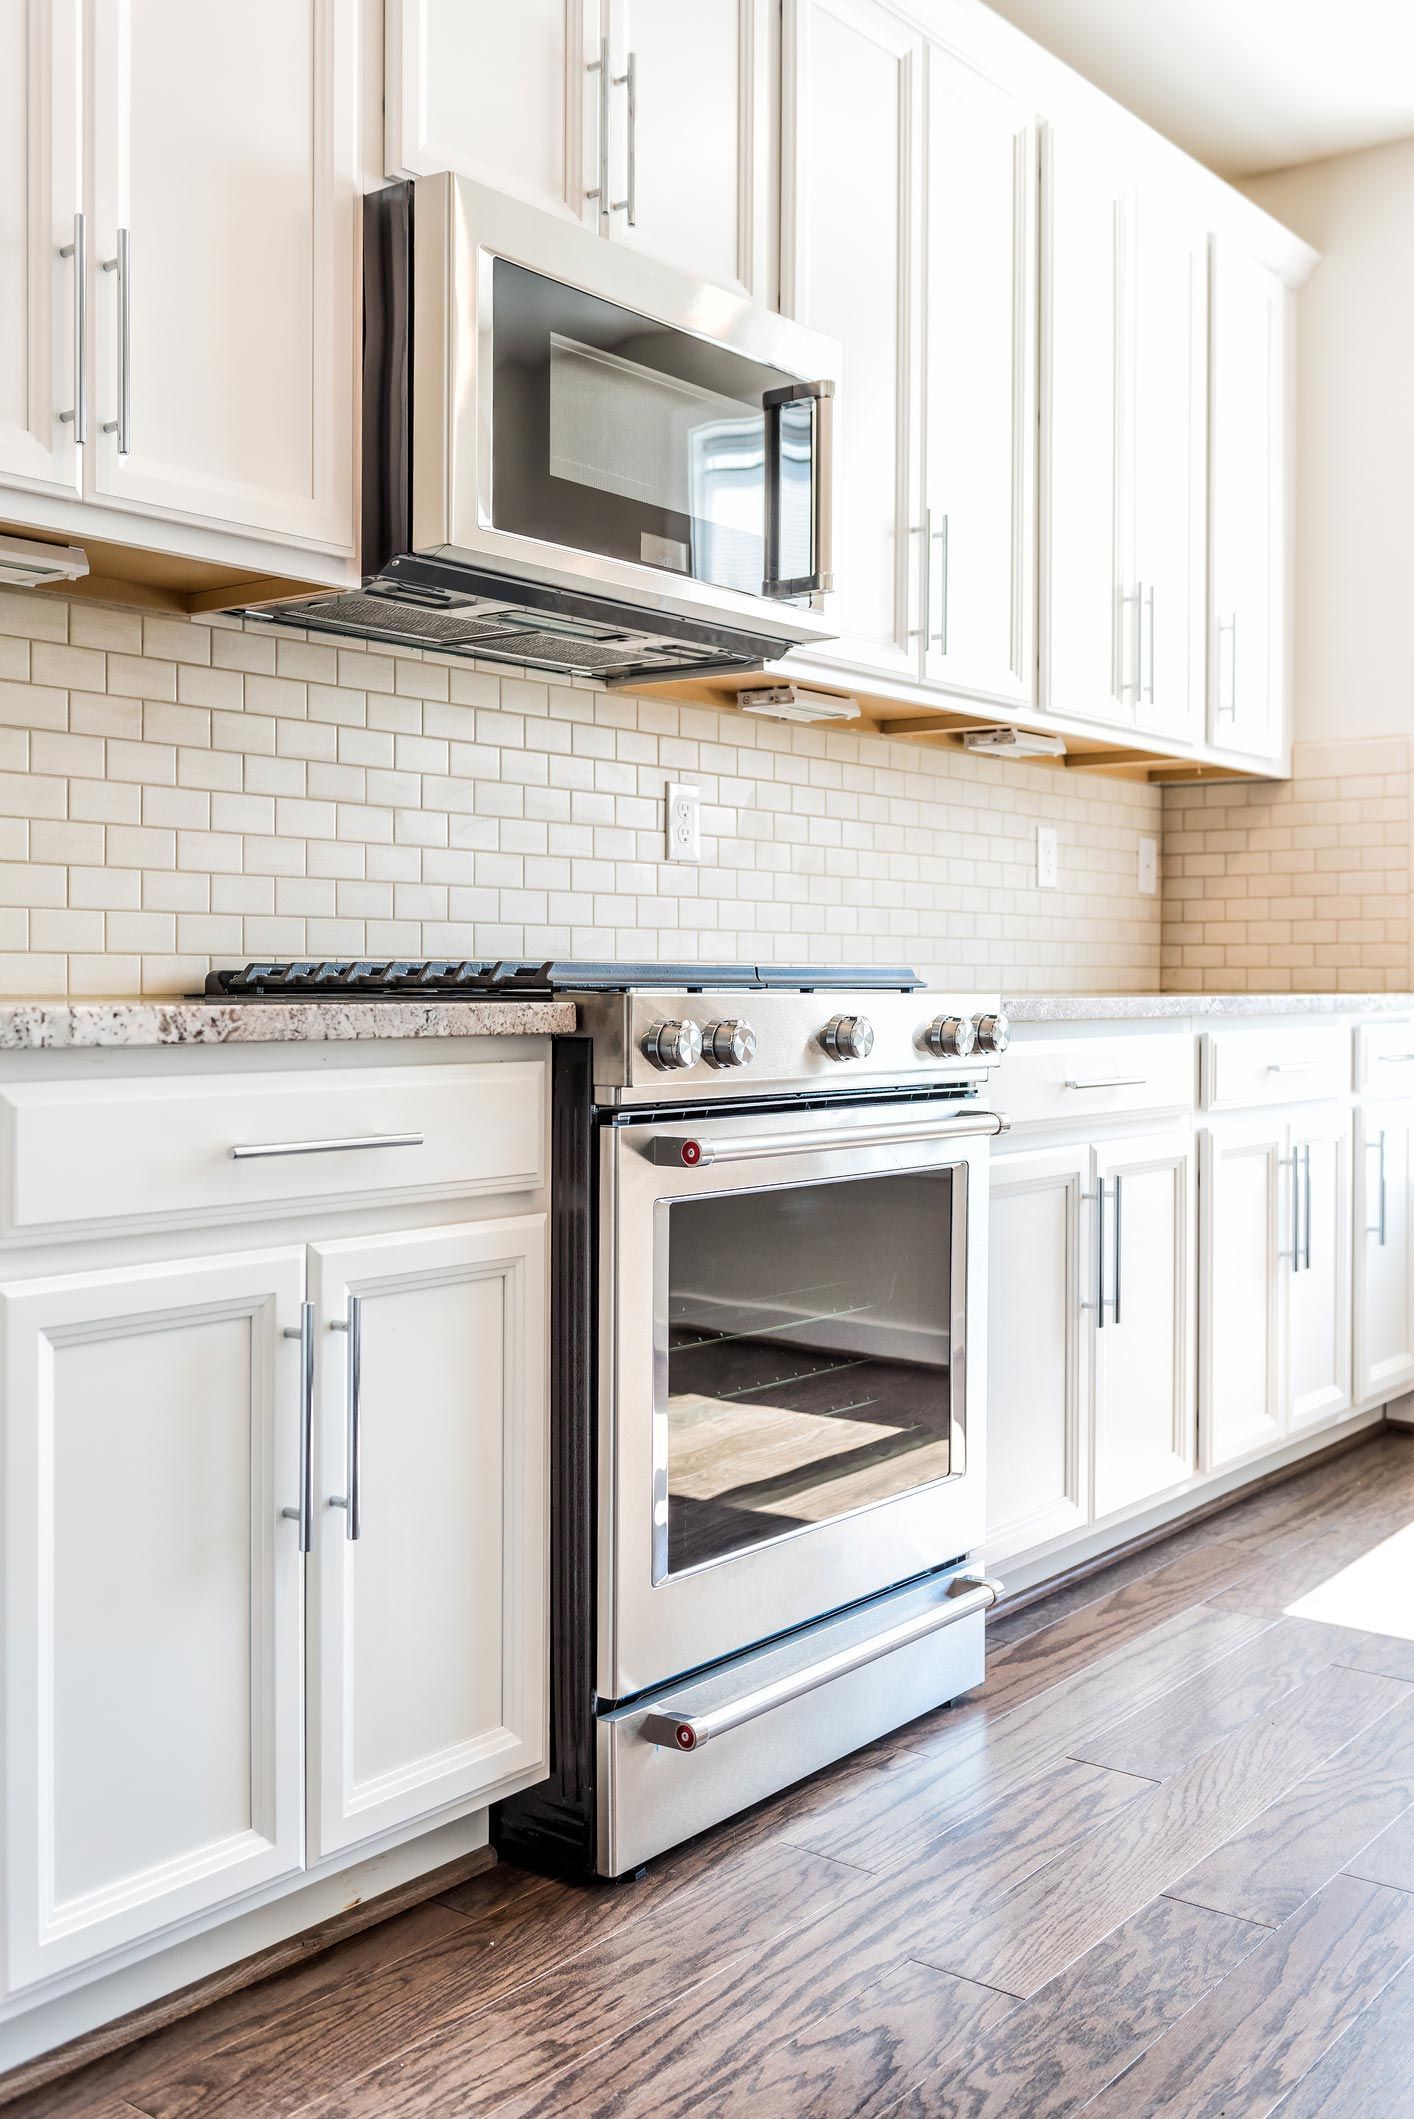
[{"x": 472, "y": 979}]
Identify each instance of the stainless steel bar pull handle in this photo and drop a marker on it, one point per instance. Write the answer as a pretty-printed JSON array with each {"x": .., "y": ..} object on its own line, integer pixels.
[
  {"x": 1394, "y": 1059},
  {"x": 1112, "y": 1081},
  {"x": 352, "y": 1500},
  {"x": 1227, "y": 627},
  {"x": 924, "y": 629},
  {"x": 1119, "y": 1248},
  {"x": 1292, "y": 1162},
  {"x": 681, "y": 1730},
  {"x": 258, "y": 1150},
  {"x": 1380, "y": 1227},
  {"x": 628, "y": 80},
  {"x": 1096, "y": 1199},
  {"x": 304, "y": 1514},
  {"x": 1306, "y": 1221},
  {"x": 940, "y": 638},
  {"x": 78, "y": 251},
  {"x": 122, "y": 264},
  {"x": 1147, "y": 692},
  {"x": 600, "y": 66},
  {"x": 684, "y": 1151}
]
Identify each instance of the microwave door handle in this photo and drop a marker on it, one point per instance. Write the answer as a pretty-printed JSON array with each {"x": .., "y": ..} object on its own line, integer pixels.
[
  {"x": 820, "y": 396},
  {"x": 686, "y": 1151}
]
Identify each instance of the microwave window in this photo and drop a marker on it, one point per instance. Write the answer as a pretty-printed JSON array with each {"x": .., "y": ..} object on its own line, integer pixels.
[
  {"x": 805, "y": 1358},
  {"x": 616, "y": 435}
]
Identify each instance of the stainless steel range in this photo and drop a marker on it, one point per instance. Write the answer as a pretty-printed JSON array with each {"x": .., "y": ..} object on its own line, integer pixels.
[{"x": 769, "y": 1310}]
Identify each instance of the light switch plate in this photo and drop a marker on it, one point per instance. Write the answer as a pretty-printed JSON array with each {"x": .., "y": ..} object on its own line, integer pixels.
[
  {"x": 1148, "y": 867},
  {"x": 1047, "y": 857},
  {"x": 684, "y": 822}
]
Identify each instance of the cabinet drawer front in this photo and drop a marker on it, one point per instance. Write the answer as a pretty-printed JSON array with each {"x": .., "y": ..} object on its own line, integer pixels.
[
  {"x": 80, "y": 1156},
  {"x": 1243, "y": 1068},
  {"x": 1384, "y": 1064},
  {"x": 1079, "y": 1079}
]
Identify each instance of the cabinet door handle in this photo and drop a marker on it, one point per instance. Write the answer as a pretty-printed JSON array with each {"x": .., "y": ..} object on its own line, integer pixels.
[
  {"x": 1380, "y": 1228},
  {"x": 1292, "y": 1162},
  {"x": 304, "y": 1514},
  {"x": 122, "y": 264},
  {"x": 78, "y": 251},
  {"x": 1097, "y": 1200},
  {"x": 352, "y": 1501},
  {"x": 1119, "y": 1246},
  {"x": 628, "y": 80},
  {"x": 1228, "y": 626},
  {"x": 1394, "y": 1059},
  {"x": 1306, "y": 1188},
  {"x": 1149, "y": 598},
  {"x": 258, "y": 1150},
  {"x": 600, "y": 66},
  {"x": 924, "y": 630},
  {"x": 940, "y": 638}
]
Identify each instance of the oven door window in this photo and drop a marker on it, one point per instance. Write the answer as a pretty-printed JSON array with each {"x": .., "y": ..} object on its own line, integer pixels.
[
  {"x": 616, "y": 435},
  {"x": 808, "y": 1358}
]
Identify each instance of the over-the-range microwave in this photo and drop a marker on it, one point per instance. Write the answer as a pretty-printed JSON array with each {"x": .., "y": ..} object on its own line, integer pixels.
[{"x": 575, "y": 457}]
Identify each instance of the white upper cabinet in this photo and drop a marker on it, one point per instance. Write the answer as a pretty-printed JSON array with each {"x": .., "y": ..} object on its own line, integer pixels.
[
  {"x": 851, "y": 267},
  {"x": 41, "y": 194},
  {"x": 980, "y": 384},
  {"x": 223, "y": 276},
  {"x": 1248, "y": 512}
]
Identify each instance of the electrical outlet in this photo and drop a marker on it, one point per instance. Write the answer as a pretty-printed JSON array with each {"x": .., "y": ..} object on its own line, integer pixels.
[
  {"x": 684, "y": 822},
  {"x": 1047, "y": 857},
  {"x": 1148, "y": 867}
]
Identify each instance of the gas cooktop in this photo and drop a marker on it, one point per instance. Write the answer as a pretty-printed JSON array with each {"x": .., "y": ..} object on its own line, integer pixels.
[{"x": 450, "y": 978}]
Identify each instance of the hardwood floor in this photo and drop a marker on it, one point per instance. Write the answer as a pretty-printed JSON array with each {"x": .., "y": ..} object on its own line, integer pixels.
[{"x": 1162, "y": 1862}]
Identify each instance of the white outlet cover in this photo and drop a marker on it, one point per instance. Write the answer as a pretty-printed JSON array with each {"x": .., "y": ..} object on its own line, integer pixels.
[
  {"x": 1148, "y": 867},
  {"x": 684, "y": 822},
  {"x": 1047, "y": 857}
]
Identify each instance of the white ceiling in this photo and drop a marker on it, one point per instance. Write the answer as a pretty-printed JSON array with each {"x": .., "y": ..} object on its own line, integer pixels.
[{"x": 1245, "y": 85}]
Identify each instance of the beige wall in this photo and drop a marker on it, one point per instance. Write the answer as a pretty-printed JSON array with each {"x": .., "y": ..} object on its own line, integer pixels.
[{"x": 176, "y": 794}]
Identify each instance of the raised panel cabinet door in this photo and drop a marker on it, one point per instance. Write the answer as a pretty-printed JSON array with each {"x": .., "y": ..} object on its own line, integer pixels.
[
  {"x": 1384, "y": 1254},
  {"x": 1320, "y": 1328},
  {"x": 1168, "y": 411},
  {"x": 153, "y": 1600},
  {"x": 1145, "y": 1319},
  {"x": 41, "y": 193},
  {"x": 1246, "y": 504},
  {"x": 979, "y": 384},
  {"x": 503, "y": 94},
  {"x": 1037, "y": 1350},
  {"x": 1087, "y": 658},
  {"x": 225, "y": 232},
  {"x": 1245, "y": 1263},
  {"x": 691, "y": 147},
  {"x": 851, "y": 267},
  {"x": 427, "y": 1640}
]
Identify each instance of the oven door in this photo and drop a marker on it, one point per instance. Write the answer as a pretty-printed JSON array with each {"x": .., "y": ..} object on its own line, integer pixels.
[{"x": 792, "y": 1331}]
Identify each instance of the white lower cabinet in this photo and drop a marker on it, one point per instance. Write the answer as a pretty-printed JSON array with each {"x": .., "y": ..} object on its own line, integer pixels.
[
  {"x": 428, "y": 1632},
  {"x": 153, "y": 1600},
  {"x": 1144, "y": 1368},
  {"x": 1384, "y": 1255},
  {"x": 1318, "y": 1291}
]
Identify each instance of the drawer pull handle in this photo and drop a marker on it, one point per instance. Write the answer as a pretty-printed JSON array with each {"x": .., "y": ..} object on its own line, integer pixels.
[
  {"x": 1395, "y": 1059},
  {"x": 689, "y": 1732},
  {"x": 1114, "y": 1081},
  {"x": 1290, "y": 1066},
  {"x": 325, "y": 1147}
]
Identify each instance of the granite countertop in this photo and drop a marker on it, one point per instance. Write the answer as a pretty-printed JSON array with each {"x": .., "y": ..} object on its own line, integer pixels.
[
  {"x": 32, "y": 1026},
  {"x": 1158, "y": 1007}
]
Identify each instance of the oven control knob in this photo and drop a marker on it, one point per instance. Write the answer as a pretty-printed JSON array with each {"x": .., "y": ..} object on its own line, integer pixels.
[
  {"x": 848, "y": 1037},
  {"x": 993, "y": 1033},
  {"x": 951, "y": 1037},
  {"x": 729, "y": 1044},
  {"x": 670, "y": 1045}
]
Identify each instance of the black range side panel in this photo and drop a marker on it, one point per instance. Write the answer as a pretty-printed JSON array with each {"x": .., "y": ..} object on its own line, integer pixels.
[
  {"x": 387, "y": 377},
  {"x": 552, "y": 1826}
]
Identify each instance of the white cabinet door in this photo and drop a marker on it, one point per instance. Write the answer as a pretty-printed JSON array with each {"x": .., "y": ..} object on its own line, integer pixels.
[
  {"x": 502, "y": 94},
  {"x": 1087, "y": 635},
  {"x": 1246, "y": 1253},
  {"x": 225, "y": 179},
  {"x": 1037, "y": 1351},
  {"x": 1384, "y": 1255},
  {"x": 153, "y": 1596},
  {"x": 1247, "y": 506},
  {"x": 1167, "y": 422},
  {"x": 693, "y": 145},
  {"x": 41, "y": 191},
  {"x": 1144, "y": 1338},
  {"x": 428, "y": 1636},
  {"x": 1319, "y": 1332},
  {"x": 851, "y": 268},
  {"x": 979, "y": 394}
]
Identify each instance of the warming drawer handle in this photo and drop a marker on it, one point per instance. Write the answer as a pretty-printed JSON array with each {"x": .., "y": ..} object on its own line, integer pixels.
[
  {"x": 685, "y": 1152},
  {"x": 689, "y": 1732},
  {"x": 325, "y": 1147}
]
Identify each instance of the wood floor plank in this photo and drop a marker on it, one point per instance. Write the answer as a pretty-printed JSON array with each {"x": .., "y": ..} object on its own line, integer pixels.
[
  {"x": 1041, "y": 1926},
  {"x": 1271, "y": 2020},
  {"x": 1389, "y": 1859},
  {"x": 1368, "y": 2073},
  {"x": 1279, "y": 1520},
  {"x": 1050, "y": 2055},
  {"x": 1321, "y": 1825},
  {"x": 1274, "y": 1582},
  {"x": 973, "y": 1764},
  {"x": 1389, "y": 1655}
]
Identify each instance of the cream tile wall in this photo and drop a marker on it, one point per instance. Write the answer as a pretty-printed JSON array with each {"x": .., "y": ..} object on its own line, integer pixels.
[
  {"x": 176, "y": 794},
  {"x": 1301, "y": 885}
]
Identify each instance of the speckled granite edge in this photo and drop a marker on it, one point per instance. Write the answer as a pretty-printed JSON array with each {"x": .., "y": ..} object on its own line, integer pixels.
[
  {"x": 1157, "y": 1007},
  {"x": 32, "y": 1026}
]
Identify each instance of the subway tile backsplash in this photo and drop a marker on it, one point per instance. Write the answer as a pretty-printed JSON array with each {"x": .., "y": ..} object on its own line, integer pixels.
[{"x": 179, "y": 793}]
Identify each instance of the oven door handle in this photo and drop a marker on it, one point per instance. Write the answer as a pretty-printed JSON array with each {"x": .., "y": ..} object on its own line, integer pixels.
[
  {"x": 686, "y": 1151},
  {"x": 689, "y": 1732}
]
